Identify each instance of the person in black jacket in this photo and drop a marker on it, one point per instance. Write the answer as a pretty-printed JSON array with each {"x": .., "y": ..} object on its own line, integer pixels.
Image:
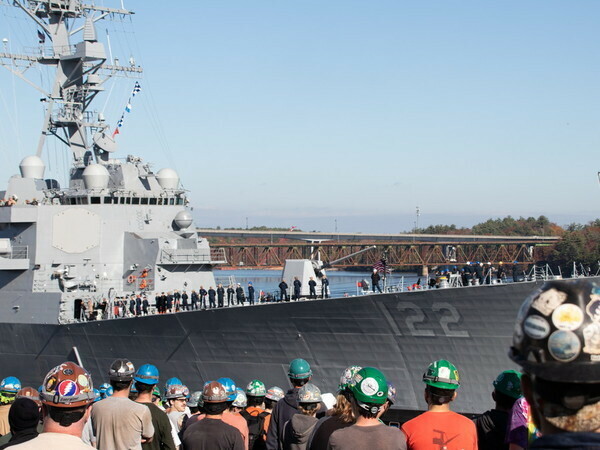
[
  {"x": 184, "y": 301},
  {"x": 220, "y": 295},
  {"x": 491, "y": 425},
  {"x": 324, "y": 287},
  {"x": 250, "y": 293},
  {"x": 283, "y": 287},
  {"x": 202, "y": 292},
  {"x": 230, "y": 292},
  {"x": 312, "y": 288},
  {"x": 299, "y": 374},
  {"x": 212, "y": 295},
  {"x": 297, "y": 287},
  {"x": 375, "y": 280},
  {"x": 194, "y": 298},
  {"x": 239, "y": 294}
]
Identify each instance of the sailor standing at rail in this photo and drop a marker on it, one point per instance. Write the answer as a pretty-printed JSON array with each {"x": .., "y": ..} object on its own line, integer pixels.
[
  {"x": 324, "y": 287},
  {"x": 220, "y": 295},
  {"x": 250, "y": 293},
  {"x": 297, "y": 287},
  {"x": 283, "y": 287},
  {"x": 375, "y": 280},
  {"x": 230, "y": 292}
]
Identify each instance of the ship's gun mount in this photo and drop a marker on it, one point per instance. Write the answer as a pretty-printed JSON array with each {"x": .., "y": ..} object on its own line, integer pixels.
[{"x": 320, "y": 265}]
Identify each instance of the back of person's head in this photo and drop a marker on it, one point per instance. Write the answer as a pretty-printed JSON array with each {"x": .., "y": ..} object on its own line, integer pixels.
[
  {"x": 9, "y": 387},
  {"x": 555, "y": 341},
  {"x": 369, "y": 392},
  {"x": 24, "y": 414},
  {"x": 66, "y": 394},
  {"x": 507, "y": 389},
  {"x": 255, "y": 393},
  {"x": 215, "y": 398},
  {"x": 120, "y": 374},
  {"x": 299, "y": 372},
  {"x": 442, "y": 381},
  {"x": 309, "y": 399}
]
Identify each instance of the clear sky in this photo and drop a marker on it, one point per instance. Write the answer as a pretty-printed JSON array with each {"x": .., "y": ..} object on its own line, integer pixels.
[{"x": 310, "y": 112}]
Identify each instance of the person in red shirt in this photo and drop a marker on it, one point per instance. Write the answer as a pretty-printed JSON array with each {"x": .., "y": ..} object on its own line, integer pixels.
[{"x": 439, "y": 427}]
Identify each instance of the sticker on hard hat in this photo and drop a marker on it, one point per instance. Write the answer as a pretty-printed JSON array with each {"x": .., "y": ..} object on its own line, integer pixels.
[
  {"x": 67, "y": 388},
  {"x": 369, "y": 386},
  {"x": 564, "y": 346},
  {"x": 567, "y": 317},
  {"x": 444, "y": 372},
  {"x": 82, "y": 380},
  {"x": 536, "y": 327},
  {"x": 593, "y": 308},
  {"x": 51, "y": 384},
  {"x": 68, "y": 372},
  {"x": 591, "y": 336},
  {"x": 548, "y": 300}
]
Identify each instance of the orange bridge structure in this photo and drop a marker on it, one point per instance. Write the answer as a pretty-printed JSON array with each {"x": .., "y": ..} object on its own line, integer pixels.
[{"x": 262, "y": 249}]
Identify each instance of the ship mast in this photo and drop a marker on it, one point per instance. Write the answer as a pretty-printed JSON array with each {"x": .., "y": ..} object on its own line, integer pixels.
[{"x": 80, "y": 73}]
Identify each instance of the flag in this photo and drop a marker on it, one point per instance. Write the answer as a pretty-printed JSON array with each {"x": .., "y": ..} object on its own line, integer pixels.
[
  {"x": 381, "y": 266},
  {"x": 128, "y": 107},
  {"x": 120, "y": 122},
  {"x": 137, "y": 88},
  {"x": 116, "y": 131}
]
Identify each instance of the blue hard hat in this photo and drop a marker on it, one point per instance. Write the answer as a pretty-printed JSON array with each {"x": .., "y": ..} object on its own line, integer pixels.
[
  {"x": 106, "y": 390},
  {"x": 97, "y": 395},
  {"x": 230, "y": 388},
  {"x": 10, "y": 384},
  {"x": 147, "y": 374}
]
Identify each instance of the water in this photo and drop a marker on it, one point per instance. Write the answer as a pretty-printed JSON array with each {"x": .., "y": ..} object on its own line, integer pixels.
[{"x": 341, "y": 283}]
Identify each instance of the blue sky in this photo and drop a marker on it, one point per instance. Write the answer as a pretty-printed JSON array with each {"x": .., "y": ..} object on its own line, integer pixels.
[{"x": 304, "y": 112}]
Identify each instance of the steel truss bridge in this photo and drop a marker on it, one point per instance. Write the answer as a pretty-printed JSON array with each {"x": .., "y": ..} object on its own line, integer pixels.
[{"x": 400, "y": 250}]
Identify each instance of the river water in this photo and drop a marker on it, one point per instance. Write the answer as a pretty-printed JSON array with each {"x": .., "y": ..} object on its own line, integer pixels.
[{"x": 340, "y": 282}]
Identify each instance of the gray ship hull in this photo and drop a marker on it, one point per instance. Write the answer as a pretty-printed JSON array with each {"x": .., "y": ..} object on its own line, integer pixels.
[{"x": 398, "y": 333}]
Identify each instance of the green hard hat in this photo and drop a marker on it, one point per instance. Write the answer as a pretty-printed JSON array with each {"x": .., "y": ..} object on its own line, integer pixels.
[
  {"x": 442, "y": 374},
  {"x": 299, "y": 369},
  {"x": 256, "y": 388},
  {"x": 509, "y": 383},
  {"x": 369, "y": 386}
]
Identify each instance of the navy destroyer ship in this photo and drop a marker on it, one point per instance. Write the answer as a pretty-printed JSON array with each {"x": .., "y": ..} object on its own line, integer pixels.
[{"x": 119, "y": 228}]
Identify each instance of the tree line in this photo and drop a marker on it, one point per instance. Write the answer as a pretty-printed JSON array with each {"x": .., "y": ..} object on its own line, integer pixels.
[{"x": 579, "y": 244}]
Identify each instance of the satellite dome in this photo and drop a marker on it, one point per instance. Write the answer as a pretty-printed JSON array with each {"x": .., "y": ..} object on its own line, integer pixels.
[
  {"x": 32, "y": 167},
  {"x": 183, "y": 220},
  {"x": 167, "y": 178},
  {"x": 95, "y": 176}
]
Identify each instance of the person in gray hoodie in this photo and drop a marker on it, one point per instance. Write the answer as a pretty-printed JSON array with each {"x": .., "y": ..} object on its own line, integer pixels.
[{"x": 299, "y": 428}]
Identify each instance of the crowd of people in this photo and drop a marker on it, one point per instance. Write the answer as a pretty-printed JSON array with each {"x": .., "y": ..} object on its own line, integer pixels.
[
  {"x": 553, "y": 404},
  {"x": 143, "y": 304}
]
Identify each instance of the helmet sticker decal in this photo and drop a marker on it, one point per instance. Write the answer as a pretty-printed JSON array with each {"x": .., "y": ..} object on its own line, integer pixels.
[
  {"x": 68, "y": 372},
  {"x": 593, "y": 308},
  {"x": 50, "y": 384},
  {"x": 67, "y": 388},
  {"x": 564, "y": 346},
  {"x": 444, "y": 372},
  {"x": 591, "y": 335},
  {"x": 536, "y": 327},
  {"x": 369, "y": 386},
  {"x": 567, "y": 317},
  {"x": 548, "y": 300},
  {"x": 82, "y": 380}
]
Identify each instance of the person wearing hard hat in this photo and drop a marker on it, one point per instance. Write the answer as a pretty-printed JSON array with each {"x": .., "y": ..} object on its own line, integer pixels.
[
  {"x": 146, "y": 378},
  {"x": 297, "y": 430},
  {"x": 211, "y": 432},
  {"x": 492, "y": 425},
  {"x": 369, "y": 393},
  {"x": 299, "y": 373},
  {"x": 117, "y": 421},
  {"x": 9, "y": 387},
  {"x": 66, "y": 397},
  {"x": 439, "y": 427},
  {"x": 557, "y": 344}
]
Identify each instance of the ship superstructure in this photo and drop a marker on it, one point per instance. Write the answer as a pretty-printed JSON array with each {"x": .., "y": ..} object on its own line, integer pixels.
[{"x": 118, "y": 227}]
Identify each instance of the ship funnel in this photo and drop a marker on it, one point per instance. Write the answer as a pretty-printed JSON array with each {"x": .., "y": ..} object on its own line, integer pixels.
[
  {"x": 32, "y": 167},
  {"x": 95, "y": 176},
  {"x": 167, "y": 178}
]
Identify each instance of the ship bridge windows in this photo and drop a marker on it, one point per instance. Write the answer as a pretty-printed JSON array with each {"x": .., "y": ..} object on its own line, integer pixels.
[
  {"x": 180, "y": 201},
  {"x": 135, "y": 201},
  {"x": 95, "y": 200},
  {"x": 153, "y": 201},
  {"x": 108, "y": 200},
  {"x": 171, "y": 201},
  {"x": 144, "y": 200}
]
